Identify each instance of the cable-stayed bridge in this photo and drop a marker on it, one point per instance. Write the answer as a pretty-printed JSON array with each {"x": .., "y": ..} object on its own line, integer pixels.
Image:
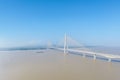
[{"x": 70, "y": 45}]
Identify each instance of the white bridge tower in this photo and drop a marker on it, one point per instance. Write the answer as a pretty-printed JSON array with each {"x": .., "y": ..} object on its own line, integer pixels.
[{"x": 65, "y": 45}]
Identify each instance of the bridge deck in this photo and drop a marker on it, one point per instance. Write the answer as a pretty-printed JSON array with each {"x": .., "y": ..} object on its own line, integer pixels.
[{"x": 94, "y": 53}]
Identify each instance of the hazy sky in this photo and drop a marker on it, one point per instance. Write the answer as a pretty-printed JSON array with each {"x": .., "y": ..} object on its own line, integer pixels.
[{"x": 30, "y": 22}]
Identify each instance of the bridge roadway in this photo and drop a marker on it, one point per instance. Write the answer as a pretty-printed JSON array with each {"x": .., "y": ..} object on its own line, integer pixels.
[{"x": 109, "y": 56}]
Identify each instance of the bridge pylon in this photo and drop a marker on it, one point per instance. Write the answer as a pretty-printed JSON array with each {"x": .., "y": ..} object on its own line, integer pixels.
[
  {"x": 65, "y": 45},
  {"x": 109, "y": 59},
  {"x": 94, "y": 56}
]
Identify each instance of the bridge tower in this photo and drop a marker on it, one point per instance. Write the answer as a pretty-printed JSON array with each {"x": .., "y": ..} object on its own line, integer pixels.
[
  {"x": 109, "y": 60},
  {"x": 94, "y": 56},
  {"x": 65, "y": 45}
]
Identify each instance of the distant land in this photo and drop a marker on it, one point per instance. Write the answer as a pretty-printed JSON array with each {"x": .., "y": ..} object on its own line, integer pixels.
[{"x": 103, "y": 49}]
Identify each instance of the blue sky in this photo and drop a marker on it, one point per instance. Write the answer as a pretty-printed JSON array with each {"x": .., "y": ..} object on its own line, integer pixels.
[{"x": 31, "y": 22}]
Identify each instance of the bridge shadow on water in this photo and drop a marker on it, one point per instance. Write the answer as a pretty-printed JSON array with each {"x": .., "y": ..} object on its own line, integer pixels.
[{"x": 91, "y": 56}]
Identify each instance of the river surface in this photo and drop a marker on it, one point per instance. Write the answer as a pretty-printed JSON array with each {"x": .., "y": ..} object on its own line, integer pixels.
[{"x": 54, "y": 65}]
